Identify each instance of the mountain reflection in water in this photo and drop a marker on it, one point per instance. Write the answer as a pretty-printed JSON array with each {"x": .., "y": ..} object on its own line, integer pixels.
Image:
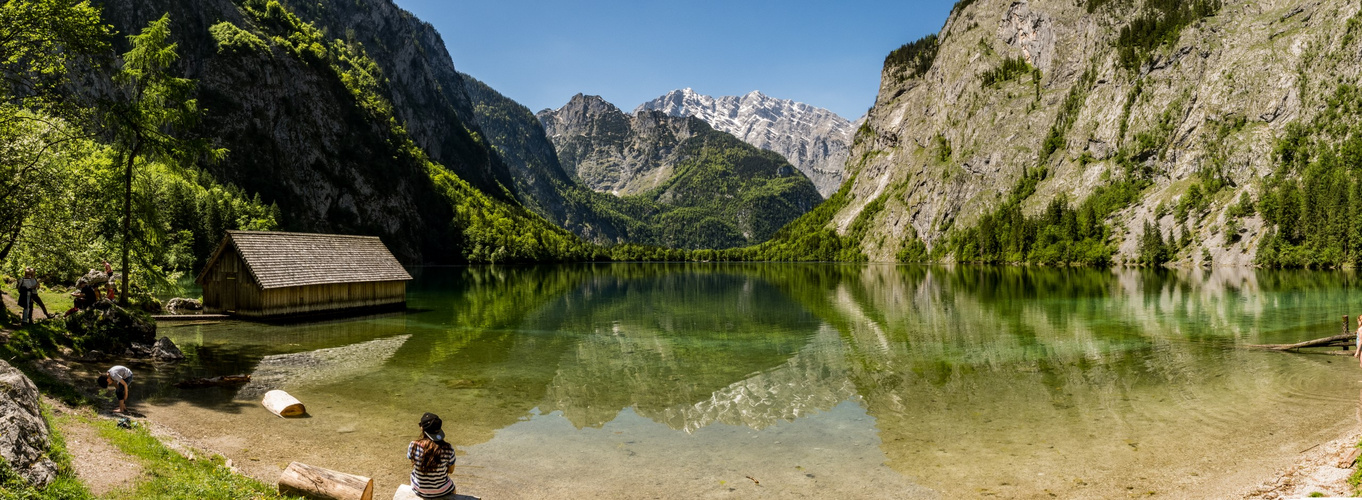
[{"x": 1011, "y": 381}]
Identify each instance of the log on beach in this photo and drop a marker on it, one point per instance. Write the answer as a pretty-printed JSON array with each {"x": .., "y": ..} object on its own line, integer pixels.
[
  {"x": 1336, "y": 340},
  {"x": 282, "y": 404},
  {"x": 310, "y": 481}
]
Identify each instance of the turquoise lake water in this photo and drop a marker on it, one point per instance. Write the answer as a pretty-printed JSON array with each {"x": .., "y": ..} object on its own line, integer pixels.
[{"x": 795, "y": 380}]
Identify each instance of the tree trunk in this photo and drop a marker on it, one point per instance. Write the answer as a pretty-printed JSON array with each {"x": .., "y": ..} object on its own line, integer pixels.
[
  {"x": 127, "y": 222},
  {"x": 1309, "y": 343},
  {"x": 13, "y": 237},
  {"x": 315, "y": 482}
]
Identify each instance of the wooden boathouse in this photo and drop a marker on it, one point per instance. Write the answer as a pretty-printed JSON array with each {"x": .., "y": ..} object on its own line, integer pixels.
[{"x": 271, "y": 274}]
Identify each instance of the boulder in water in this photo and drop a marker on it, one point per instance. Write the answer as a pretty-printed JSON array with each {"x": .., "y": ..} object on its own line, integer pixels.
[
  {"x": 23, "y": 443},
  {"x": 165, "y": 350}
]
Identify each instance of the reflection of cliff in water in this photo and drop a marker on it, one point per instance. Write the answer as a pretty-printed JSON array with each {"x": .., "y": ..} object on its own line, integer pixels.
[
  {"x": 985, "y": 379},
  {"x": 667, "y": 342}
]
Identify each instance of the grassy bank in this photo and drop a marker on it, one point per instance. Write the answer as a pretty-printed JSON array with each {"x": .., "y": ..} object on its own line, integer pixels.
[{"x": 166, "y": 474}]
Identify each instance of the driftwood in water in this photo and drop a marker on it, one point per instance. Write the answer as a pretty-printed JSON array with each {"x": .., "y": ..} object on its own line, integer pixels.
[
  {"x": 223, "y": 380},
  {"x": 1336, "y": 340},
  {"x": 282, "y": 404},
  {"x": 310, "y": 481}
]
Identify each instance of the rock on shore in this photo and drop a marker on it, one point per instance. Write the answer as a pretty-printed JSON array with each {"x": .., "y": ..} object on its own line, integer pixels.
[{"x": 23, "y": 432}]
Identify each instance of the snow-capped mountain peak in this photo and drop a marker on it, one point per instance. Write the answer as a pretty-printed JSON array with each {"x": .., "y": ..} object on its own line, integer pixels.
[{"x": 814, "y": 140}]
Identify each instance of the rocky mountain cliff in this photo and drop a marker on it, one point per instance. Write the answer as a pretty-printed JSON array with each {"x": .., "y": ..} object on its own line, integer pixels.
[
  {"x": 351, "y": 117},
  {"x": 686, "y": 184},
  {"x": 1223, "y": 126},
  {"x": 814, "y": 140}
]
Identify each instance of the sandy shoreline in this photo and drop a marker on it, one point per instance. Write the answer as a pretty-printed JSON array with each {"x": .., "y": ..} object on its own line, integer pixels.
[{"x": 1317, "y": 470}]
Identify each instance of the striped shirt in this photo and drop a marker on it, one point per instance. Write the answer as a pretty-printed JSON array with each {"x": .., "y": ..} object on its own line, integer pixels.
[{"x": 435, "y": 483}]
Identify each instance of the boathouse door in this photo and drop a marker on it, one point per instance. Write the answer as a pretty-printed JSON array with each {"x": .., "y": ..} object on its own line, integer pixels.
[{"x": 229, "y": 292}]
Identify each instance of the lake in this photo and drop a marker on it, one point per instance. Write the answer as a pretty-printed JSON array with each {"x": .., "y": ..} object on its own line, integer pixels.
[{"x": 794, "y": 381}]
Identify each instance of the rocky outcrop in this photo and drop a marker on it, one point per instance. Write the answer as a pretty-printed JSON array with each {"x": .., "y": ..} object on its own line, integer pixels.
[
  {"x": 110, "y": 328},
  {"x": 23, "y": 431},
  {"x": 814, "y": 140},
  {"x": 943, "y": 147},
  {"x": 675, "y": 181},
  {"x": 613, "y": 152}
]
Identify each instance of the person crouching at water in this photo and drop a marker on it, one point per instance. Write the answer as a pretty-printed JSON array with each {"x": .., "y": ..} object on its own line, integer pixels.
[
  {"x": 121, "y": 378},
  {"x": 432, "y": 460}
]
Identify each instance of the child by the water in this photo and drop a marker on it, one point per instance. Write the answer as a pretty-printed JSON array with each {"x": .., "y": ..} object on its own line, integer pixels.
[
  {"x": 121, "y": 378},
  {"x": 432, "y": 460}
]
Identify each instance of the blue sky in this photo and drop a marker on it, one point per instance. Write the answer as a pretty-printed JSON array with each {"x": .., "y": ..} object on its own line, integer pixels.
[{"x": 540, "y": 53}]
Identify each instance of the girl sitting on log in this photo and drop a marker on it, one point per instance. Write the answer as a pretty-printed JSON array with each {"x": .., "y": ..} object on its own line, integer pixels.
[{"x": 432, "y": 460}]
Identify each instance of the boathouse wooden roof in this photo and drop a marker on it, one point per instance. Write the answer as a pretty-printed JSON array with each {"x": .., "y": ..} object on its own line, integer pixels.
[{"x": 280, "y": 259}]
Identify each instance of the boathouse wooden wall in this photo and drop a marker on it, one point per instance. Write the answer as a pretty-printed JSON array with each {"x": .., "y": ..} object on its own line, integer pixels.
[{"x": 230, "y": 287}]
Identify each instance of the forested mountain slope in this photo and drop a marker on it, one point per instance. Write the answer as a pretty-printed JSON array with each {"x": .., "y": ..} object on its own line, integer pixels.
[
  {"x": 1097, "y": 131},
  {"x": 313, "y": 123},
  {"x": 688, "y": 185}
]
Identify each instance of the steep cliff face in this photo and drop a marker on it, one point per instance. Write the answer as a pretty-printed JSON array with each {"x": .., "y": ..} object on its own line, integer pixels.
[
  {"x": 541, "y": 184},
  {"x": 814, "y": 140},
  {"x": 428, "y": 95},
  {"x": 611, "y": 151},
  {"x": 1182, "y": 102},
  {"x": 674, "y": 181},
  {"x": 296, "y": 134}
]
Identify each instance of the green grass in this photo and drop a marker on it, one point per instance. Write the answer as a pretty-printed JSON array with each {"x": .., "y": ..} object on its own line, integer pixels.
[{"x": 169, "y": 475}]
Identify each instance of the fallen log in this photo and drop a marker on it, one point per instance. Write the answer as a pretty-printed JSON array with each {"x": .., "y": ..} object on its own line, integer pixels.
[
  {"x": 282, "y": 404},
  {"x": 1336, "y": 340},
  {"x": 223, "y": 380},
  {"x": 310, "y": 481}
]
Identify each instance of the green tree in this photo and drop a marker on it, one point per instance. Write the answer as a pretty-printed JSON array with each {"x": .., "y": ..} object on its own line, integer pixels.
[
  {"x": 151, "y": 107},
  {"x": 38, "y": 39}
]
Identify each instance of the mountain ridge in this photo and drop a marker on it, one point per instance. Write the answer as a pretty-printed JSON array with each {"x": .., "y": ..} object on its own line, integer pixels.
[{"x": 813, "y": 139}]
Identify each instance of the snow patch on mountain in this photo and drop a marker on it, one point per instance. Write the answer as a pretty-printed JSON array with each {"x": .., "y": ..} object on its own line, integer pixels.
[{"x": 814, "y": 140}]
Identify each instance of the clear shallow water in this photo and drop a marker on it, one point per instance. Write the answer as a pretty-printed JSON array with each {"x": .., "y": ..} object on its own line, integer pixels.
[{"x": 678, "y": 381}]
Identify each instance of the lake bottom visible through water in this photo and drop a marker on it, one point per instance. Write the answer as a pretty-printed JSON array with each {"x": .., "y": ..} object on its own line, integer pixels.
[{"x": 793, "y": 381}]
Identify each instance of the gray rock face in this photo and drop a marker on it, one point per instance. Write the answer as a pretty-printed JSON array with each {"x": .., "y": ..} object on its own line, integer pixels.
[
  {"x": 1268, "y": 63},
  {"x": 299, "y": 138},
  {"x": 613, "y": 152},
  {"x": 814, "y": 140},
  {"x": 23, "y": 432}
]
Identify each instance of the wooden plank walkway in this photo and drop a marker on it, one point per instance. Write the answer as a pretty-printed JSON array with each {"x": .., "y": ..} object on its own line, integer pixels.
[{"x": 189, "y": 317}]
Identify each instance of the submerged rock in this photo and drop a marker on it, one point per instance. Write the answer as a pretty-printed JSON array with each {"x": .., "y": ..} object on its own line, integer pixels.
[{"x": 23, "y": 432}]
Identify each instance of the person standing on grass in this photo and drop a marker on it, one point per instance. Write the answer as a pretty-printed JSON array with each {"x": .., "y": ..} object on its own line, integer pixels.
[
  {"x": 28, "y": 296},
  {"x": 432, "y": 460},
  {"x": 121, "y": 378}
]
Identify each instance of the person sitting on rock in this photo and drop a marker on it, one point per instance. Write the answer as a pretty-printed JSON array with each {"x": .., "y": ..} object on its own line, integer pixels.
[
  {"x": 121, "y": 378},
  {"x": 85, "y": 296},
  {"x": 28, "y": 296},
  {"x": 432, "y": 460}
]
